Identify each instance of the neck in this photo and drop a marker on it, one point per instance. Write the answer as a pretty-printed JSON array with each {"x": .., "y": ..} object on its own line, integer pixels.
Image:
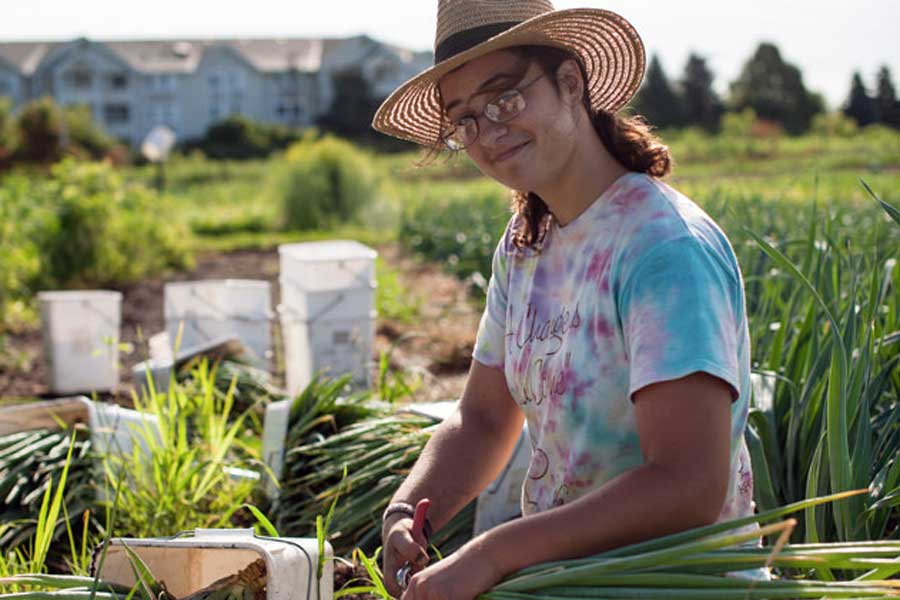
[{"x": 588, "y": 172}]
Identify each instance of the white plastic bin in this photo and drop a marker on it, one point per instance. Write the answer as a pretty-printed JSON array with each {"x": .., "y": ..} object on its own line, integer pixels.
[
  {"x": 275, "y": 429},
  {"x": 501, "y": 501},
  {"x": 329, "y": 265},
  {"x": 188, "y": 564},
  {"x": 114, "y": 430},
  {"x": 207, "y": 310},
  {"x": 81, "y": 339},
  {"x": 335, "y": 346},
  {"x": 46, "y": 414},
  {"x": 313, "y": 305}
]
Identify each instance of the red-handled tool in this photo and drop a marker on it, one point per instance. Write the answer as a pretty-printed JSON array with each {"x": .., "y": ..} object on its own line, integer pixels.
[{"x": 404, "y": 573}]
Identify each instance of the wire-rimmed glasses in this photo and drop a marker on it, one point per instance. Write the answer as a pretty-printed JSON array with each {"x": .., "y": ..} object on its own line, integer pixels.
[{"x": 504, "y": 107}]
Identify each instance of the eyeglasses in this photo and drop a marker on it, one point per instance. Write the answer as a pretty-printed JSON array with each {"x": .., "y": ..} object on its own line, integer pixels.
[{"x": 504, "y": 107}]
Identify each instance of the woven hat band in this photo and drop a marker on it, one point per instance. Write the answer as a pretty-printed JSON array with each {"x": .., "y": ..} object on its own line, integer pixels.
[{"x": 462, "y": 41}]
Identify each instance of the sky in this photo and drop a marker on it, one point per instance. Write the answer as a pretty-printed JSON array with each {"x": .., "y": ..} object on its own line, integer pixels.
[{"x": 828, "y": 40}]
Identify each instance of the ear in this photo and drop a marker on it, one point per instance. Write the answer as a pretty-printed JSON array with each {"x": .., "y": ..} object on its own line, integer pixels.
[{"x": 569, "y": 81}]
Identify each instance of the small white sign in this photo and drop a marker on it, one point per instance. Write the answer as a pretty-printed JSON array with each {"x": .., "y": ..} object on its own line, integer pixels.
[{"x": 158, "y": 143}]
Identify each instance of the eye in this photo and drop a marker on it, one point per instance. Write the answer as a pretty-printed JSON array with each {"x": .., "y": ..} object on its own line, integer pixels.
[{"x": 464, "y": 122}]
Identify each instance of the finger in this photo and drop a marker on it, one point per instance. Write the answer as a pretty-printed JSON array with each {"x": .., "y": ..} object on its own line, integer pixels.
[
  {"x": 404, "y": 547},
  {"x": 410, "y": 592},
  {"x": 390, "y": 582}
]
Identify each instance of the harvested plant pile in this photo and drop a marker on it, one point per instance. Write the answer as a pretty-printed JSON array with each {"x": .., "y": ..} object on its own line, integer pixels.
[
  {"x": 247, "y": 584},
  {"x": 30, "y": 462},
  {"x": 355, "y": 452},
  {"x": 703, "y": 562}
]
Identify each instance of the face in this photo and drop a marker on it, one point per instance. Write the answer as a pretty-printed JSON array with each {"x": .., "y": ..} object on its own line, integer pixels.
[{"x": 527, "y": 152}]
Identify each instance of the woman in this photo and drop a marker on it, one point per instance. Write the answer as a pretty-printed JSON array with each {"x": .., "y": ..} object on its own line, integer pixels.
[{"x": 615, "y": 320}]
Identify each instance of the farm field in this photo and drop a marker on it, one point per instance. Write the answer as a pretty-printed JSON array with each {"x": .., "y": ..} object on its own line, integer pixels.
[{"x": 814, "y": 223}]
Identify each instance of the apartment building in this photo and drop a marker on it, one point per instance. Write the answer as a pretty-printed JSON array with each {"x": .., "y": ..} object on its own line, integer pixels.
[{"x": 132, "y": 86}]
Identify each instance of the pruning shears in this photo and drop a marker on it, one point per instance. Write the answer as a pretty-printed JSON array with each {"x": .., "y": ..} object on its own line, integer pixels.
[{"x": 404, "y": 573}]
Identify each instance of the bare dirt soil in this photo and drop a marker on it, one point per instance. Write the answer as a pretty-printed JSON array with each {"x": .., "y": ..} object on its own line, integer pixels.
[{"x": 435, "y": 349}]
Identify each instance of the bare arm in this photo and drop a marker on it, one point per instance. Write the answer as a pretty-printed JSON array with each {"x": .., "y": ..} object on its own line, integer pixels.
[
  {"x": 684, "y": 428},
  {"x": 464, "y": 455},
  {"x": 468, "y": 450}
]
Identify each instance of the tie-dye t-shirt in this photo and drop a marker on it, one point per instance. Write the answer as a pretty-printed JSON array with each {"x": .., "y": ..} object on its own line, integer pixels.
[{"x": 642, "y": 287}]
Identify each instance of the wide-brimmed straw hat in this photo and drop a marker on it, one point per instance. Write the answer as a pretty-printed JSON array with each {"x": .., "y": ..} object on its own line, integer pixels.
[{"x": 608, "y": 45}]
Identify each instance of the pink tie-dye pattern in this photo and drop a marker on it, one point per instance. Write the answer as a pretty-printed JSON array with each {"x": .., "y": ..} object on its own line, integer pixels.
[{"x": 573, "y": 456}]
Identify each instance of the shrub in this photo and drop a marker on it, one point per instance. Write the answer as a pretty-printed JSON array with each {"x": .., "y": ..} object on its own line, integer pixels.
[
  {"x": 22, "y": 223},
  {"x": 108, "y": 232},
  {"x": 325, "y": 182},
  {"x": 7, "y": 140},
  {"x": 46, "y": 133},
  {"x": 82, "y": 226},
  {"x": 458, "y": 226},
  {"x": 834, "y": 124},
  {"x": 83, "y": 135},
  {"x": 239, "y": 137},
  {"x": 40, "y": 131}
]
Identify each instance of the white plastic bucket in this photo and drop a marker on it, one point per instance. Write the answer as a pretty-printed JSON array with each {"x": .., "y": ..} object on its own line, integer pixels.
[
  {"x": 335, "y": 346},
  {"x": 275, "y": 429},
  {"x": 81, "y": 339},
  {"x": 330, "y": 265},
  {"x": 501, "y": 501},
  {"x": 189, "y": 564},
  {"x": 198, "y": 312},
  {"x": 313, "y": 305}
]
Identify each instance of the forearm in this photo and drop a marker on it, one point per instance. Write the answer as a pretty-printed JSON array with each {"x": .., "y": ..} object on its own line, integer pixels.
[
  {"x": 462, "y": 457},
  {"x": 643, "y": 503}
]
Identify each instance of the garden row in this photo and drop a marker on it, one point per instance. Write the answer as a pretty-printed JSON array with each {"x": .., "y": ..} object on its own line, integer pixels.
[
  {"x": 85, "y": 225},
  {"x": 819, "y": 264},
  {"x": 196, "y": 459}
]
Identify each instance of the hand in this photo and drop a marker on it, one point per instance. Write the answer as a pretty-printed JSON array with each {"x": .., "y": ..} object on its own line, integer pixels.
[
  {"x": 461, "y": 576},
  {"x": 401, "y": 546}
]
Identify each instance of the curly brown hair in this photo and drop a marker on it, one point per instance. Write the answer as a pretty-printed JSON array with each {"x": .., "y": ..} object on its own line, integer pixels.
[{"x": 629, "y": 139}]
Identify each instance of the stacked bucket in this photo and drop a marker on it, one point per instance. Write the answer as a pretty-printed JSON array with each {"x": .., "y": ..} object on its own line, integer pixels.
[
  {"x": 327, "y": 310},
  {"x": 200, "y": 313},
  {"x": 327, "y": 317},
  {"x": 81, "y": 339}
]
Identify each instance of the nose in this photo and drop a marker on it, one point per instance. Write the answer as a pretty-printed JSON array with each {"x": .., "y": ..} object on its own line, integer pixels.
[{"x": 490, "y": 133}]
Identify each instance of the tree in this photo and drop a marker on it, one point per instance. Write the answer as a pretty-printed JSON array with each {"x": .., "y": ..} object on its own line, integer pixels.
[
  {"x": 860, "y": 106},
  {"x": 886, "y": 99},
  {"x": 353, "y": 107},
  {"x": 7, "y": 140},
  {"x": 774, "y": 89},
  {"x": 657, "y": 101},
  {"x": 40, "y": 131},
  {"x": 701, "y": 103}
]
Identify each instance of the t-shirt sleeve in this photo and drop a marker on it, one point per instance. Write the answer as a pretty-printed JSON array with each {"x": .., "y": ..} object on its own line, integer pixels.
[
  {"x": 490, "y": 343},
  {"x": 678, "y": 313}
]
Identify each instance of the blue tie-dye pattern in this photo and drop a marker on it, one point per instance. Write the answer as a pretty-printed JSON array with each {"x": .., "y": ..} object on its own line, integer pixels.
[{"x": 642, "y": 287}]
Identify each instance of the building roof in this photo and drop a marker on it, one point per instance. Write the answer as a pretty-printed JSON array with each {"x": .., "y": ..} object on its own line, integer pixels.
[
  {"x": 26, "y": 56},
  {"x": 183, "y": 55}
]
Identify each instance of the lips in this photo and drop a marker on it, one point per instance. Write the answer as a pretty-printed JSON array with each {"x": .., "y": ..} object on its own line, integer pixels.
[{"x": 508, "y": 153}]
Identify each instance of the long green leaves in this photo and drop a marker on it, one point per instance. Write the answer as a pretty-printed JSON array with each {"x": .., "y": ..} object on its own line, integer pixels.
[
  {"x": 179, "y": 460},
  {"x": 837, "y": 377}
]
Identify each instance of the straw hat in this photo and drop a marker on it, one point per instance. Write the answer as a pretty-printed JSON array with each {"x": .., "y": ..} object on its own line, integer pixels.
[{"x": 609, "y": 47}]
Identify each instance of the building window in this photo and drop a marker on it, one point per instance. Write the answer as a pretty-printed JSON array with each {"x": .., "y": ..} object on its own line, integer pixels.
[
  {"x": 213, "y": 81},
  {"x": 80, "y": 78},
  {"x": 116, "y": 114},
  {"x": 6, "y": 87},
  {"x": 215, "y": 113},
  {"x": 117, "y": 81},
  {"x": 162, "y": 84},
  {"x": 165, "y": 114}
]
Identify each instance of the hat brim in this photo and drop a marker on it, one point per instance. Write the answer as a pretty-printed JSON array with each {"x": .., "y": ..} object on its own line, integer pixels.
[{"x": 608, "y": 45}]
